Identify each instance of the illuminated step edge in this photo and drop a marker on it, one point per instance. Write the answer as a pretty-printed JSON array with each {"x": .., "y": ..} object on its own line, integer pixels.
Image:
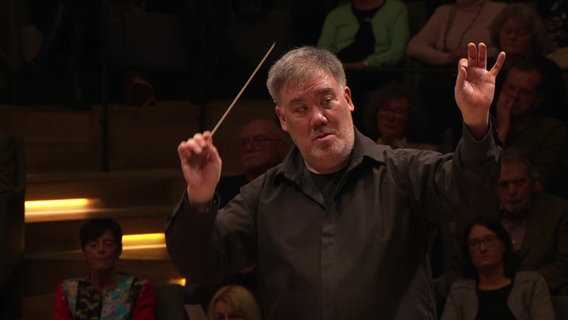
[
  {"x": 81, "y": 209},
  {"x": 59, "y": 209},
  {"x": 149, "y": 246}
]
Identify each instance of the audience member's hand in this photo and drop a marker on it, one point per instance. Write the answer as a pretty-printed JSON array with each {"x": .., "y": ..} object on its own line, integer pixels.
[
  {"x": 201, "y": 166},
  {"x": 504, "y": 105},
  {"x": 475, "y": 87}
]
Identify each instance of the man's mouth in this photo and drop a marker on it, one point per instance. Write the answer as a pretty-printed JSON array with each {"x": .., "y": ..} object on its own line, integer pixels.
[{"x": 322, "y": 136}]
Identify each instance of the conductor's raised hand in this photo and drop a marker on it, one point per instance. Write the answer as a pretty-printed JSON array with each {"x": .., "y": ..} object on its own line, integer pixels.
[
  {"x": 201, "y": 166},
  {"x": 475, "y": 87}
]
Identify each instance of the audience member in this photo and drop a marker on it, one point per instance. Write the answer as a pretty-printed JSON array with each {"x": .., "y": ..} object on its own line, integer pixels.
[
  {"x": 444, "y": 38},
  {"x": 518, "y": 30},
  {"x": 12, "y": 226},
  {"x": 439, "y": 44},
  {"x": 394, "y": 118},
  {"x": 366, "y": 33},
  {"x": 335, "y": 230},
  {"x": 7, "y": 163},
  {"x": 490, "y": 288},
  {"x": 104, "y": 293},
  {"x": 233, "y": 302},
  {"x": 537, "y": 222},
  {"x": 262, "y": 145},
  {"x": 543, "y": 139},
  {"x": 555, "y": 16}
]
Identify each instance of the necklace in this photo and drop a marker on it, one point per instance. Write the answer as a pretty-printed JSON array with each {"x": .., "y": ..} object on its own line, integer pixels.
[{"x": 453, "y": 14}]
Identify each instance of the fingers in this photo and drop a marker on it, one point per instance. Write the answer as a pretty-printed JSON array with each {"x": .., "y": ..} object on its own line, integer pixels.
[
  {"x": 498, "y": 64},
  {"x": 482, "y": 55},
  {"x": 472, "y": 54},
  {"x": 195, "y": 146},
  {"x": 477, "y": 55},
  {"x": 462, "y": 72}
]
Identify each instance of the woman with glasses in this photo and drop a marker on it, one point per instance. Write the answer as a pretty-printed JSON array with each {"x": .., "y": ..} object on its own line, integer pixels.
[
  {"x": 490, "y": 288},
  {"x": 394, "y": 119}
]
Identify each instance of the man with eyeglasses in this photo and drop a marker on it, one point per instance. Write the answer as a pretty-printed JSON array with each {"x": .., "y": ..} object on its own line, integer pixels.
[
  {"x": 262, "y": 145},
  {"x": 544, "y": 140},
  {"x": 536, "y": 221}
]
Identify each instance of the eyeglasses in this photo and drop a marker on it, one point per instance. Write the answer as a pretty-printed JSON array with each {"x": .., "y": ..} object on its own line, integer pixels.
[
  {"x": 394, "y": 111},
  {"x": 488, "y": 241},
  {"x": 524, "y": 92},
  {"x": 259, "y": 141}
]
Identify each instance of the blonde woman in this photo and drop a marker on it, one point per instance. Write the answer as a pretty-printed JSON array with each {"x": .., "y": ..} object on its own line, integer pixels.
[{"x": 233, "y": 303}]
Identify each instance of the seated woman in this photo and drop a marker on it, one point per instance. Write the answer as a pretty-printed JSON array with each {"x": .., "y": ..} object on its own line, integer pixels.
[
  {"x": 443, "y": 39},
  {"x": 367, "y": 33},
  {"x": 104, "y": 293},
  {"x": 233, "y": 302},
  {"x": 519, "y": 31},
  {"x": 490, "y": 288},
  {"x": 440, "y": 44},
  {"x": 394, "y": 119},
  {"x": 366, "y": 36}
]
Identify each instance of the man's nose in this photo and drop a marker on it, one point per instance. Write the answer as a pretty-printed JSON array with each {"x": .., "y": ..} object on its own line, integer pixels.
[{"x": 318, "y": 116}]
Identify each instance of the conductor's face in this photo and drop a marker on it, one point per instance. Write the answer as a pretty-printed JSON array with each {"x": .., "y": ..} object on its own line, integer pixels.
[{"x": 317, "y": 113}]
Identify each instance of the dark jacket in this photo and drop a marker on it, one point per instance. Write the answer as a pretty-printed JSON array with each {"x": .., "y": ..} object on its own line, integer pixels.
[
  {"x": 545, "y": 245},
  {"x": 360, "y": 254}
]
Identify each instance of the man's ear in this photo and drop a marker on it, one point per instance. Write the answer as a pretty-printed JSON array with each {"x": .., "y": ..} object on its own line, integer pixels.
[
  {"x": 281, "y": 118},
  {"x": 347, "y": 95}
]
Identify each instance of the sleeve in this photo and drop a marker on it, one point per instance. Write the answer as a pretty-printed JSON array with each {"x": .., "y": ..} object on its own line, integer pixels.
[
  {"x": 550, "y": 155},
  {"x": 207, "y": 246},
  {"x": 145, "y": 303},
  {"x": 541, "y": 303},
  {"x": 451, "y": 307},
  {"x": 62, "y": 311},
  {"x": 187, "y": 234},
  {"x": 423, "y": 45},
  {"x": 395, "y": 40},
  {"x": 556, "y": 271},
  {"x": 445, "y": 185},
  {"x": 327, "y": 36}
]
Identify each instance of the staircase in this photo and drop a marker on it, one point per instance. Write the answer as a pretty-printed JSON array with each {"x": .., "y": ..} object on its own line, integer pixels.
[
  {"x": 139, "y": 201},
  {"x": 139, "y": 190}
]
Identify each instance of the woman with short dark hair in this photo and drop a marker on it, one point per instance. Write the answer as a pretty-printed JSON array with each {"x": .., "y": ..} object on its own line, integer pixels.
[{"x": 104, "y": 293}]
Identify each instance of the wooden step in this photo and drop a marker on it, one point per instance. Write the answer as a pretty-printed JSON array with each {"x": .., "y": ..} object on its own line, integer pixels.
[
  {"x": 116, "y": 188},
  {"x": 61, "y": 232}
]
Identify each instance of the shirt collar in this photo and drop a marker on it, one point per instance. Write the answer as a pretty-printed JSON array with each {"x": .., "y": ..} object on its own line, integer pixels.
[{"x": 364, "y": 150}]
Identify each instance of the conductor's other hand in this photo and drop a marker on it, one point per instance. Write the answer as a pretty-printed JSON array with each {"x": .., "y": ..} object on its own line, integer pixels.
[
  {"x": 201, "y": 166},
  {"x": 475, "y": 87}
]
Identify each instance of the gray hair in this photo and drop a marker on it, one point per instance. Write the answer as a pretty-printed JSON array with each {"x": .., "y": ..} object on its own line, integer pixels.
[
  {"x": 300, "y": 64},
  {"x": 528, "y": 17},
  {"x": 513, "y": 156}
]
